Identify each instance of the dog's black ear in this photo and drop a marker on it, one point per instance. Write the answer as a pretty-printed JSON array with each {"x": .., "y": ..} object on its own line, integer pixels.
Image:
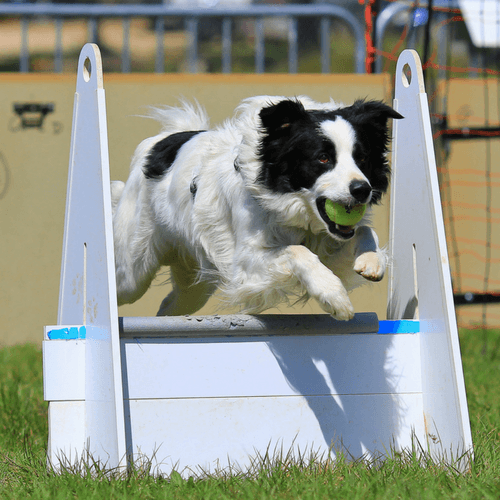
[
  {"x": 281, "y": 115},
  {"x": 374, "y": 111}
]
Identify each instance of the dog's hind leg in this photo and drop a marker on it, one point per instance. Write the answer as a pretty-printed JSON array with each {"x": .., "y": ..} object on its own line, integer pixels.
[{"x": 188, "y": 294}]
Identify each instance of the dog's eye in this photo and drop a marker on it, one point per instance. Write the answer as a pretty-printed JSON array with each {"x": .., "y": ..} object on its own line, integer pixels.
[
  {"x": 324, "y": 158},
  {"x": 360, "y": 157}
]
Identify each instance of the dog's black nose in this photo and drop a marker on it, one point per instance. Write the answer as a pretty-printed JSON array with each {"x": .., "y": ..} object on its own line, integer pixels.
[{"x": 360, "y": 190}]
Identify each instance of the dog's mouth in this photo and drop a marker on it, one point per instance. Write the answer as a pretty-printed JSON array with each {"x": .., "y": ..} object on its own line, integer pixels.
[{"x": 343, "y": 232}]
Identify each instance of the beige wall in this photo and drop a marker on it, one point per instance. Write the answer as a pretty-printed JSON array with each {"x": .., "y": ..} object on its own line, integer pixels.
[{"x": 34, "y": 164}]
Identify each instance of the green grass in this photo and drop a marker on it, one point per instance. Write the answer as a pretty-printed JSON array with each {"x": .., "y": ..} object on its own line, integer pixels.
[{"x": 23, "y": 438}]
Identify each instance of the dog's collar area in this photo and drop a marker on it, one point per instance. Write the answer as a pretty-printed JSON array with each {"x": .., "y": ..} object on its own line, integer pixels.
[{"x": 343, "y": 232}]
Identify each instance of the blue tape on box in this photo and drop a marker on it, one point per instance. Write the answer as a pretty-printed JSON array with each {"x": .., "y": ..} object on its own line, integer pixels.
[
  {"x": 399, "y": 326},
  {"x": 70, "y": 333}
]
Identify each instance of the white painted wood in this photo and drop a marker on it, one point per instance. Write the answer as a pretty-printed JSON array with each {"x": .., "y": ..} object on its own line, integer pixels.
[
  {"x": 204, "y": 434},
  {"x": 246, "y": 367},
  {"x": 67, "y": 434},
  {"x": 192, "y": 435},
  {"x": 64, "y": 370},
  {"x": 271, "y": 366},
  {"x": 88, "y": 285},
  {"x": 419, "y": 280}
]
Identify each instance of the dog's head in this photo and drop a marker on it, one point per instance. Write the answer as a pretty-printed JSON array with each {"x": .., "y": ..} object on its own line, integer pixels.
[{"x": 338, "y": 154}]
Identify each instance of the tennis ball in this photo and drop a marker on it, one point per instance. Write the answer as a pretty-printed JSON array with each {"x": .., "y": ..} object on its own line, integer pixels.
[{"x": 342, "y": 215}]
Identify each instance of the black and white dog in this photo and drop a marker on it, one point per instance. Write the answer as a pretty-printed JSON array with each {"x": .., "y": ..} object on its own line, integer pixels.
[{"x": 241, "y": 206}]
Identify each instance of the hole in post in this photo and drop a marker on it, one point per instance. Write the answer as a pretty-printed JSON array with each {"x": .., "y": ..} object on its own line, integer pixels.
[
  {"x": 406, "y": 75},
  {"x": 87, "y": 69}
]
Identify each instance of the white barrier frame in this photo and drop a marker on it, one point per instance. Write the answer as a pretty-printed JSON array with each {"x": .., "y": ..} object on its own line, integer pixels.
[{"x": 202, "y": 393}]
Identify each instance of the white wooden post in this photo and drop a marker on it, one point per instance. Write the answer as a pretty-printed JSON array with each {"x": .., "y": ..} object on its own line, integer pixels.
[
  {"x": 419, "y": 279},
  {"x": 88, "y": 285}
]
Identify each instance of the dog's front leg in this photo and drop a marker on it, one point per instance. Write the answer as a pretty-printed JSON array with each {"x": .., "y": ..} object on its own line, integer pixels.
[
  {"x": 370, "y": 260},
  {"x": 319, "y": 281}
]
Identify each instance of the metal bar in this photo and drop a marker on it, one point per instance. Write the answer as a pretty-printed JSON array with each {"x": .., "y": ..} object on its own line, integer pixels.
[
  {"x": 293, "y": 50},
  {"x": 192, "y": 54},
  {"x": 227, "y": 27},
  {"x": 471, "y": 299},
  {"x": 92, "y": 30},
  {"x": 94, "y": 11},
  {"x": 360, "y": 48},
  {"x": 126, "y": 45},
  {"x": 160, "y": 47},
  {"x": 154, "y": 10},
  {"x": 325, "y": 44},
  {"x": 259, "y": 45},
  {"x": 24, "y": 60},
  {"x": 244, "y": 326},
  {"x": 475, "y": 58},
  {"x": 443, "y": 43},
  {"x": 468, "y": 133},
  {"x": 428, "y": 36},
  {"x": 58, "y": 50},
  {"x": 375, "y": 9},
  {"x": 384, "y": 18}
]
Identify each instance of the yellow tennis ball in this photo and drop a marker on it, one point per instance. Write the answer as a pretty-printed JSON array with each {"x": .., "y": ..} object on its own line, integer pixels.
[{"x": 342, "y": 215}]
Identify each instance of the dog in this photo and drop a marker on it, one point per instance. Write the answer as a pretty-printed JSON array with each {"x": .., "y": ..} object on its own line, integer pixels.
[{"x": 241, "y": 207}]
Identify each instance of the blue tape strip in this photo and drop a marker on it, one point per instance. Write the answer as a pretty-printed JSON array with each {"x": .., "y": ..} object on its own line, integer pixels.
[
  {"x": 399, "y": 326},
  {"x": 71, "y": 333}
]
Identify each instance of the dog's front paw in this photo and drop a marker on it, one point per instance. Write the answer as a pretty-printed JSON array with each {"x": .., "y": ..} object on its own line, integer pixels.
[
  {"x": 370, "y": 265},
  {"x": 336, "y": 302},
  {"x": 319, "y": 282},
  {"x": 340, "y": 307}
]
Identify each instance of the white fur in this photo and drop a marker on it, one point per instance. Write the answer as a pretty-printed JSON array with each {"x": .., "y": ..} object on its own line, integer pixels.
[{"x": 257, "y": 246}]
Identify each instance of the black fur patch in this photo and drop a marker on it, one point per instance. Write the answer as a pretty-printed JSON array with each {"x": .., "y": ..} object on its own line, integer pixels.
[
  {"x": 164, "y": 152},
  {"x": 290, "y": 148}
]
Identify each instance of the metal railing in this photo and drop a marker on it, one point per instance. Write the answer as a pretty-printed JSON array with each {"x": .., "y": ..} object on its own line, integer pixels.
[{"x": 192, "y": 17}]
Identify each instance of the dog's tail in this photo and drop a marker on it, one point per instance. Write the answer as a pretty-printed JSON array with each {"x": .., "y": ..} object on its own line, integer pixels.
[{"x": 184, "y": 118}]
